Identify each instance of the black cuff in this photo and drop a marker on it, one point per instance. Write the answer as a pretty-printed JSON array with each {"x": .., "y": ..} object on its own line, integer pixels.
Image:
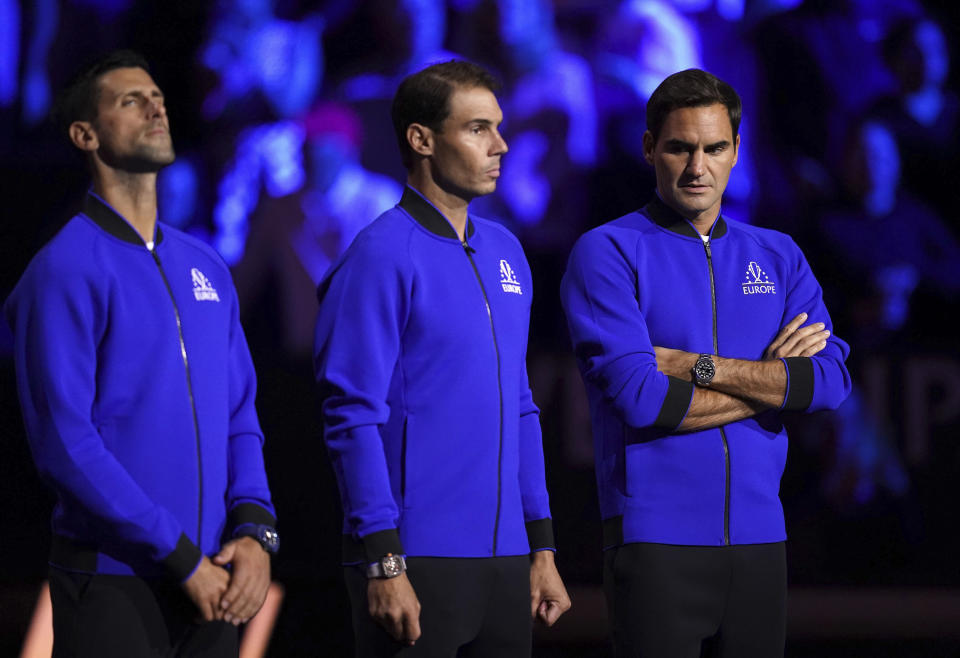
[
  {"x": 540, "y": 535},
  {"x": 799, "y": 383},
  {"x": 675, "y": 404},
  {"x": 181, "y": 563},
  {"x": 378, "y": 544},
  {"x": 249, "y": 513}
]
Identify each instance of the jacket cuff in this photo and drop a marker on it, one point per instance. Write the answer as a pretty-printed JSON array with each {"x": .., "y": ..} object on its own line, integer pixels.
[
  {"x": 540, "y": 535},
  {"x": 799, "y": 383},
  {"x": 378, "y": 544},
  {"x": 249, "y": 513},
  {"x": 183, "y": 561},
  {"x": 675, "y": 404}
]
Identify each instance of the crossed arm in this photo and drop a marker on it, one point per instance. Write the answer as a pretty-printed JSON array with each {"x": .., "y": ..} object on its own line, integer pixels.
[{"x": 742, "y": 388}]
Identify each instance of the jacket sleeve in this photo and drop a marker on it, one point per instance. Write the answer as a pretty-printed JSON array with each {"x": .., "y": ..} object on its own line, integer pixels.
[
  {"x": 248, "y": 494},
  {"x": 533, "y": 482},
  {"x": 821, "y": 381},
  {"x": 57, "y": 319},
  {"x": 363, "y": 309},
  {"x": 610, "y": 337}
]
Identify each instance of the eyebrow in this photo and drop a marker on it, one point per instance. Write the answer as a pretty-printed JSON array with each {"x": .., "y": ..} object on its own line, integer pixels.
[
  {"x": 679, "y": 143},
  {"x": 153, "y": 93}
]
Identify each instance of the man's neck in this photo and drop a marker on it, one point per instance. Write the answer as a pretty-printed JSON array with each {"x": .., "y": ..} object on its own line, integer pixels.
[
  {"x": 453, "y": 207},
  {"x": 134, "y": 196}
]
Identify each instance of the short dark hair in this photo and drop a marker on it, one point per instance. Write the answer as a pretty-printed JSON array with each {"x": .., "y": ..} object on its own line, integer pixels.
[
  {"x": 78, "y": 100},
  {"x": 424, "y": 97},
  {"x": 691, "y": 88}
]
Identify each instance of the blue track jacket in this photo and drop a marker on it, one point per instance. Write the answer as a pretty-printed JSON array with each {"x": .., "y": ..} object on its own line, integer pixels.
[
  {"x": 648, "y": 279},
  {"x": 137, "y": 391},
  {"x": 428, "y": 417}
]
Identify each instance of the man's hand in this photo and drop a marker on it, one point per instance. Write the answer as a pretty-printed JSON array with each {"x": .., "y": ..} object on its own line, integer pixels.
[
  {"x": 794, "y": 340},
  {"x": 249, "y": 579},
  {"x": 206, "y": 587},
  {"x": 548, "y": 596},
  {"x": 393, "y": 604}
]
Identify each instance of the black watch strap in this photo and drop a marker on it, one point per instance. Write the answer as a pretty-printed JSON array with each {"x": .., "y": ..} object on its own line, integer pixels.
[{"x": 265, "y": 535}]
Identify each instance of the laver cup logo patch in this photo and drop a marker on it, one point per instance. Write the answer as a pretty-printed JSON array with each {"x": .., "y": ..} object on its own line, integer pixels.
[
  {"x": 508, "y": 279},
  {"x": 756, "y": 281},
  {"x": 203, "y": 290}
]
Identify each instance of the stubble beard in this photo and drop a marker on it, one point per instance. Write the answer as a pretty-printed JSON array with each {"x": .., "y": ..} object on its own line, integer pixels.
[{"x": 143, "y": 159}]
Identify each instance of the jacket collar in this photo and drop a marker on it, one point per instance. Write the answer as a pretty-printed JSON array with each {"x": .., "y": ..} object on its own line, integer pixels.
[
  {"x": 671, "y": 220},
  {"x": 427, "y": 215},
  {"x": 113, "y": 222}
]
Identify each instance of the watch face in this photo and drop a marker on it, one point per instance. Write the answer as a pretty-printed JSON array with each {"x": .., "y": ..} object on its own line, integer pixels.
[
  {"x": 270, "y": 539},
  {"x": 704, "y": 370},
  {"x": 392, "y": 566}
]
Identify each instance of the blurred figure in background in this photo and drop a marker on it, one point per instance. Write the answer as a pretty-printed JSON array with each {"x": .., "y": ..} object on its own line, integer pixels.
[{"x": 922, "y": 114}]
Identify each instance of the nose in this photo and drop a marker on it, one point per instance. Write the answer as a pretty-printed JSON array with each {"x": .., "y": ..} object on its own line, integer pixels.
[
  {"x": 695, "y": 164},
  {"x": 499, "y": 146},
  {"x": 156, "y": 107}
]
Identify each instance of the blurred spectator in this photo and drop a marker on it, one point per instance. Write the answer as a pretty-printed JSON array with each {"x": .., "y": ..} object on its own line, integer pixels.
[
  {"x": 923, "y": 115},
  {"x": 380, "y": 43},
  {"x": 253, "y": 52},
  {"x": 316, "y": 197},
  {"x": 820, "y": 67},
  {"x": 884, "y": 240}
]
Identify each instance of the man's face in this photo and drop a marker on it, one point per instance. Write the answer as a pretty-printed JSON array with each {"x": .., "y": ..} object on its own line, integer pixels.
[
  {"x": 468, "y": 148},
  {"x": 131, "y": 124},
  {"x": 692, "y": 159}
]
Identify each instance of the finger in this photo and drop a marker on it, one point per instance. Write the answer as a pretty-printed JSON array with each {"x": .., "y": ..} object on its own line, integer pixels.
[
  {"x": 251, "y": 604},
  {"x": 542, "y": 611},
  {"x": 789, "y": 347},
  {"x": 393, "y": 625},
  {"x": 551, "y": 612},
  {"x": 225, "y": 555},
  {"x": 412, "y": 623},
  {"x": 801, "y": 345},
  {"x": 813, "y": 339},
  {"x": 787, "y": 330},
  {"x": 815, "y": 349}
]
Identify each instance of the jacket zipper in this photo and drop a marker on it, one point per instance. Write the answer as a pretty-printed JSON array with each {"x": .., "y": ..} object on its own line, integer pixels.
[
  {"x": 496, "y": 348},
  {"x": 193, "y": 406},
  {"x": 723, "y": 434}
]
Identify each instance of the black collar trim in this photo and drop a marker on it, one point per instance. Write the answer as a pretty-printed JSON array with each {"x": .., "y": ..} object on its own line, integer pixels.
[
  {"x": 671, "y": 220},
  {"x": 428, "y": 216},
  {"x": 112, "y": 222}
]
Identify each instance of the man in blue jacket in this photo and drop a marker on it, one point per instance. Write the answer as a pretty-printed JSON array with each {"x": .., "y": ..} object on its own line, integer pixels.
[
  {"x": 428, "y": 417},
  {"x": 137, "y": 391},
  {"x": 691, "y": 332}
]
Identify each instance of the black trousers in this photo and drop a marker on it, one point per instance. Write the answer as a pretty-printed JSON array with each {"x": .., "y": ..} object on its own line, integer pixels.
[
  {"x": 469, "y": 608},
  {"x": 102, "y": 616},
  {"x": 691, "y": 601}
]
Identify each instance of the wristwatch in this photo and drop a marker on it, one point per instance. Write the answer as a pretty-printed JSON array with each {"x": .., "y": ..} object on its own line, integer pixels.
[
  {"x": 389, "y": 566},
  {"x": 704, "y": 370},
  {"x": 265, "y": 535}
]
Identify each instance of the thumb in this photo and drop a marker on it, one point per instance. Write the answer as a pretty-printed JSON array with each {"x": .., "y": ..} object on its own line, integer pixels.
[{"x": 226, "y": 554}]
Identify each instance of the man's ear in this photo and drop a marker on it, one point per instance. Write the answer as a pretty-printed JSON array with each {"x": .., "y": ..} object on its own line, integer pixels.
[
  {"x": 736, "y": 149},
  {"x": 83, "y": 136},
  {"x": 649, "y": 146},
  {"x": 420, "y": 138}
]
